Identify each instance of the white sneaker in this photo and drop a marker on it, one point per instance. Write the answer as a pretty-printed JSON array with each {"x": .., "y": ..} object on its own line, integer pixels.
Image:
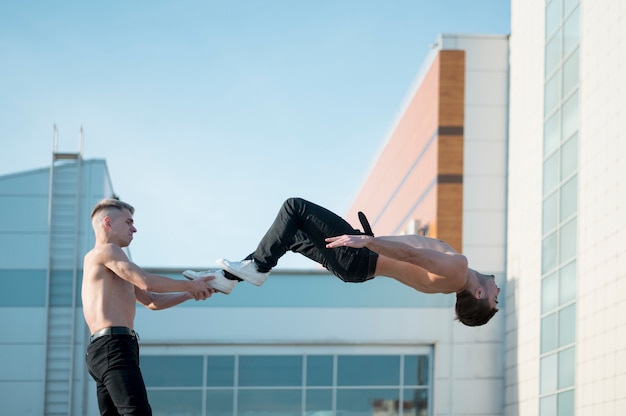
[
  {"x": 245, "y": 270},
  {"x": 220, "y": 283}
]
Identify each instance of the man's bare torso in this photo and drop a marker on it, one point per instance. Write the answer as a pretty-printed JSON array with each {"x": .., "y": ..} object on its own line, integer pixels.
[
  {"x": 415, "y": 276},
  {"x": 108, "y": 300}
]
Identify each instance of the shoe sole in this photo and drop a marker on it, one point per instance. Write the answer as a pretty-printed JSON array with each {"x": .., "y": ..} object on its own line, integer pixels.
[
  {"x": 221, "y": 287},
  {"x": 254, "y": 279}
]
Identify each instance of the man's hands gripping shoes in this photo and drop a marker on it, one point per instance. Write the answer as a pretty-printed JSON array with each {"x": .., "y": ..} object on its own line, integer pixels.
[{"x": 220, "y": 283}]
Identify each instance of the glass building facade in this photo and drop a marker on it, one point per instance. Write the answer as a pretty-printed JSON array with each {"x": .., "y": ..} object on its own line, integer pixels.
[{"x": 559, "y": 212}]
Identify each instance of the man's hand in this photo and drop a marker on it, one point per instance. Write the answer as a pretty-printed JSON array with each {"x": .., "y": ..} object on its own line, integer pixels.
[
  {"x": 355, "y": 241},
  {"x": 200, "y": 289}
]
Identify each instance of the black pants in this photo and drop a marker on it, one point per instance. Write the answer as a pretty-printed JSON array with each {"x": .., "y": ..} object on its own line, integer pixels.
[
  {"x": 302, "y": 227},
  {"x": 113, "y": 362}
]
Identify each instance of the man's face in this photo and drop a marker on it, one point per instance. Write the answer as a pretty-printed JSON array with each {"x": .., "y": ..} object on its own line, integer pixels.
[
  {"x": 122, "y": 227},
  {"x": 491, "y": 290}
]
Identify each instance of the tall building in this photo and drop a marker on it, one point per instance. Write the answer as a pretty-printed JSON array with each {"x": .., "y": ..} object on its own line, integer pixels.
[{"x": 565, "y": 331}]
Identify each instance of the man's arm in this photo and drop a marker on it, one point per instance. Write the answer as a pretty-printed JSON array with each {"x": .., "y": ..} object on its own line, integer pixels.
[
  {"x": 438, "y": 263},
  {"x": 116, "y": 260},
  {"x": 158, "y": 301}
]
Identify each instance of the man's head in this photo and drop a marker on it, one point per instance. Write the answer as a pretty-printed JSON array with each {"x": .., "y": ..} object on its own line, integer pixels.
[
  {"x": 477, "y": 305},
  {"x": 112, "y": 220}
]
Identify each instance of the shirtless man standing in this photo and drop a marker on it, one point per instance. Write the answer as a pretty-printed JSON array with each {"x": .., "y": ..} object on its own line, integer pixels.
[
  {"x": 422, "y": 263},
  {"x": 112, "y": 285}
]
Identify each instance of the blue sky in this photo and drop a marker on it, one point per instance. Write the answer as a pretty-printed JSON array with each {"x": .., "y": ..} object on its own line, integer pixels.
[{"x": 211, "y": 113}]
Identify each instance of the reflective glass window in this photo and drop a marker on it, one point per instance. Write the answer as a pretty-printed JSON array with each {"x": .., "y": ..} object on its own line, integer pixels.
[
  {"x": 175, "y": 402},
  {"x": 549, "y": 288},
  {"x": 548, "y": 333},
  {"x": 368, "y": 370},
  {"x": 550, "y": 173},
  {"x": 548, "y": 373},
  {"x": 553, "y": 16},
  {"x": 548, "y": 258},
  {"x": 567, "y": 283},
  {"x": 367, "y": 402},
  {"x": 319, "y": 370},
  {"x": 415, "y": 402},
  {"x": 416, "y": 370},
  {"x": 566, "y": 403},
  {"x": 570, "y": 116},
  {"x": 553, "y": 53},
  {"x": 569, "y": 198},
  {"x": 219, "y": 402},
  {"x": 547, "y": 406},
  {"x": 570, "y": 73},
  {"x": 567, "y": 241},
  {"x": 550, "y": 217},
  {"x": 569, "y": 157},
  {"x": 552, "y": 95},
  {"x": 270, "y": 370},
  {"x": 275, "y": 402},
  {"x": 567, "y": 325},
  {"x": 571, "y": 31},
  {"x": 567, "y": 366},
  {"x": 220, "y": 370},
  {"x": 172, "y": 370},
  {"x": 319, "y": 402},
  {"x": 552, "y": 133}
]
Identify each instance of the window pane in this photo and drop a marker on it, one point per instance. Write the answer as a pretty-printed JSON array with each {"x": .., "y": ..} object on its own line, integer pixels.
[
  {"x": 552, "y": 133},
  {"x": 319, "y": 370},
  {"x": 172, "y": 370},
  {"x": 416, "y": 370},
  {"x": 552, "y": 95},
  {"x": 570, "y": 116},
  {"x": 567, "y": 365},
  {"x": 553, "y": 16},
  {"x": 270, "y": 370},
  {"x": 548, "y": 374},
  {"x": 569, "y": 198},
  {"x": 368, "y": 370},
  {"x": 571, "y": 32},
  {"x": 175, "y": 402},
  {"x": 548, "y": 253},
  {"x": 567, "y": 241},
  {"x": 319, "y": 402},
  {"x": 548, "y": 333},
  {"x": 547, "y": 406},
  {"x": 220, "y": 371},
  {"x": 569, "y": 157},
  {"x": 415, "y": 402},
  {"x": 367, "y": 402},
  {"x": 570, "y": 73},
  {"x": 553, "y": 53},
  {"x": 567, "y": 325},
  {"x": 566, "y": 403},
  {"x": 550, "y": 173},
  {"x": 219, "y": 402},
  {"x": 550, "y": 216},
  {"x": 275, "y": 402},
  {"x": 567, "y": 283},
  {"x": 549, "y": 293}
]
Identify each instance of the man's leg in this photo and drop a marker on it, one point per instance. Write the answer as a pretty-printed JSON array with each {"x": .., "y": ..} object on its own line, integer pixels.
[
  {"x": 302, "y": 227},
  {"x": 123, "y": 379}
]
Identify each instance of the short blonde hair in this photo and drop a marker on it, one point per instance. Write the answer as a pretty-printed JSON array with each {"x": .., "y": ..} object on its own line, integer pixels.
[{"x": 108, "y": 203}]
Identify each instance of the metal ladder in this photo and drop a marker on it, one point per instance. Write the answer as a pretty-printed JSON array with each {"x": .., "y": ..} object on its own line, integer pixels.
[{"x": 62, "y": 279}]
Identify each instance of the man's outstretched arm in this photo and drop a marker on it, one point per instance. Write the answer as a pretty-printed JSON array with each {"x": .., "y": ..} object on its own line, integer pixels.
[{"x": 438, "y": 263}]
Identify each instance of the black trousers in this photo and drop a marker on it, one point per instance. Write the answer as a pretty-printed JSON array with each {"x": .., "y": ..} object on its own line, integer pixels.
[
  {"x": 302, "y": 227},
  {"x": 113, "y": 362}
]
